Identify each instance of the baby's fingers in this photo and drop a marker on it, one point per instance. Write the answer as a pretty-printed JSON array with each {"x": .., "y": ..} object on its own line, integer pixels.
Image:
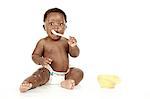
[
  {"x": 72, "y": 39},
  {"x": 48, "y": 60}
]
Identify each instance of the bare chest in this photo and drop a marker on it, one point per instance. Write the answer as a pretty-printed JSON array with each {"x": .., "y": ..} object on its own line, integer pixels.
[{"x": 55, "y": 48}]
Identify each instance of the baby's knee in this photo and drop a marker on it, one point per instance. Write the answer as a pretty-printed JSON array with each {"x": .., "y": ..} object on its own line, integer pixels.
[{"x": 78, "y": 73}]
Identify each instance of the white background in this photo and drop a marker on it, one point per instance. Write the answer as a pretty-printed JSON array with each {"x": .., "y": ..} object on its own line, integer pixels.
[{"x": 113, "y": 36}]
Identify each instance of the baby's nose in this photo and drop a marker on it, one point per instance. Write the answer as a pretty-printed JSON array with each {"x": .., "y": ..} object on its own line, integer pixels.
[{"x": 56, "y": 27}]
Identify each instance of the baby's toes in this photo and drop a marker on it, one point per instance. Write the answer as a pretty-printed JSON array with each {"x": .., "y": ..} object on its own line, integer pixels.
[
  {"x": 72, "y": 84},
  {"x": 25, "y": 87},
  {"x": 68, "y": 84}
]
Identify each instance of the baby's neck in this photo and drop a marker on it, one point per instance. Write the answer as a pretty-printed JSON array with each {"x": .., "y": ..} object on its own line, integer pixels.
[{"x": 52, "y": 40}]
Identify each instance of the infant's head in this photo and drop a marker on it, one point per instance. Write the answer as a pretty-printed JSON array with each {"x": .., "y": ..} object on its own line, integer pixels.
[
  {"x": 55, "y": 19},
  {"x": 55, "y": 10}
]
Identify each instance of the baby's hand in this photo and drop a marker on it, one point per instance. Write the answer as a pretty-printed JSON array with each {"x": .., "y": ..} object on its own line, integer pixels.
[
  {"x": 72, "y": 41},
  {"x": 46, "y": 61}
]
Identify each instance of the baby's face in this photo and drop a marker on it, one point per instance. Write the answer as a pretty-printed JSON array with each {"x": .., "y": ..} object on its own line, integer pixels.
[{"x": 55, "y": 21}]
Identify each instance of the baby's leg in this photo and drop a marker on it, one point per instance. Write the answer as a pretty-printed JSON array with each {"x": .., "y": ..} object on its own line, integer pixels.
[
  {"x": 72, "y": 78},
  {"x": 38, "y": 78}
]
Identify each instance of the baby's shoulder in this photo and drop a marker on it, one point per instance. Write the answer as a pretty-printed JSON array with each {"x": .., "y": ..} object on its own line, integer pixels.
[
  {"x": 42, "y": 41},
  {"x": 64, "y": 40}
]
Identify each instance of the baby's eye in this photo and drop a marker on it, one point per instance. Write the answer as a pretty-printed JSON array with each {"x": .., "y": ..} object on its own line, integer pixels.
[
  {"x": 61, "y": 24},
  {"x": 51, "y": 23}
]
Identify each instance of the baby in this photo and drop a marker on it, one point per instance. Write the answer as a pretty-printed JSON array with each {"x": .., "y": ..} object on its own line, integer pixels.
[{"x": 52, "y": 53}]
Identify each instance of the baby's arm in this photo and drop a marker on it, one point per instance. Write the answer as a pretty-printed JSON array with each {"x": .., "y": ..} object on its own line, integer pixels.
[
  {"x": 38, "y": 51},
  {"x": 73, "y": 48},
  {"x": 37, "y": 55}
]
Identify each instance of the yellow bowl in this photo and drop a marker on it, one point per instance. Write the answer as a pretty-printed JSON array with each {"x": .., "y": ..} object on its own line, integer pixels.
[{"x": 108, "y": 81}]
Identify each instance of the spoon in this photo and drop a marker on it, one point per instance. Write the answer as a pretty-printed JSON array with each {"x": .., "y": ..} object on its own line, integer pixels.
[{"x": 65, "y": 36}]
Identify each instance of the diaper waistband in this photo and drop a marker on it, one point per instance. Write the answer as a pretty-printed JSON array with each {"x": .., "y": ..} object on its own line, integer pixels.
[{"x": 52, "y": 72}]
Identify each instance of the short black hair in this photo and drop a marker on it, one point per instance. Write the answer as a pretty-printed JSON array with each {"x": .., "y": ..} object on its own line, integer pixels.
[{"x": 55, "y": 10}]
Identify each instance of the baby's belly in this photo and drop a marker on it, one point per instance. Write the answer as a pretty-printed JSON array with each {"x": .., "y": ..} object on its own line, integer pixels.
[
  {"x": 60, "y": 64},
  {"x": 60, "y": 61},
  {"x": 60, "y": 68}
]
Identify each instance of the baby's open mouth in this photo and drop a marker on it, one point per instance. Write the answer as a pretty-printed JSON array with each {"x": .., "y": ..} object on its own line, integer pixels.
[
  {"x": 58, "y": 34},
  {"x": 54, "y": 33}
]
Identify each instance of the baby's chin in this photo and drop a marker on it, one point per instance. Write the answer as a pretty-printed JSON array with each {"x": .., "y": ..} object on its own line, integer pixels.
[{"x": 55, "y": 38}]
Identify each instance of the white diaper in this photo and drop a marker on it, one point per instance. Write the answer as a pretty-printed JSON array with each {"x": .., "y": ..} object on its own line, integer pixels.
[{"x": 56, "y": 77}]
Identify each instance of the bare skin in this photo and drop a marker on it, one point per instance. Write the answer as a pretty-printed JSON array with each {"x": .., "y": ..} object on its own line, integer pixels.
[
  {"x": 68, "y": 84},
  {"x": 53, "y": 50},
  {"x": 25, "y": 86}
]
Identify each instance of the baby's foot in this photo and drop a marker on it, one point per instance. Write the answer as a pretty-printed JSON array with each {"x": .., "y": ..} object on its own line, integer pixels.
[
  {"x": 25, "y": 86},
  {"x": 68, "y": 84}
]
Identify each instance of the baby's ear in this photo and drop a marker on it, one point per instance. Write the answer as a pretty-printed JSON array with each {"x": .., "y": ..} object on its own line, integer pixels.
[
  {"x": 65, "y": 26},
  {"x": 44, "y": 27}
]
